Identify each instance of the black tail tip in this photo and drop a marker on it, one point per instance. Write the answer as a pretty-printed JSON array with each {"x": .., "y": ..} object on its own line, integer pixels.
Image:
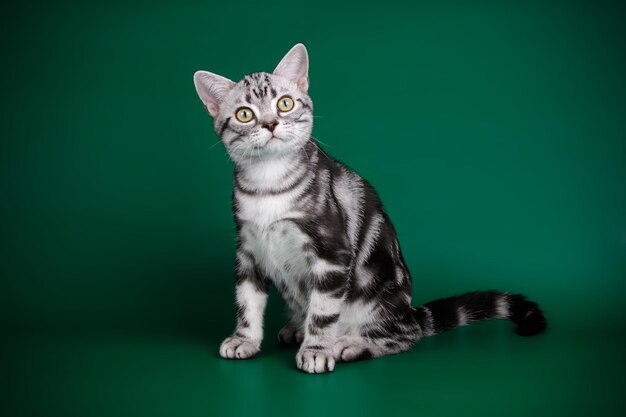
[{"x": 527, "y": 315}]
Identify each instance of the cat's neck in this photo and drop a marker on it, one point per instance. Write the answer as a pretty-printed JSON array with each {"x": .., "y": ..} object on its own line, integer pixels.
[{"x": 272, "y": 174}]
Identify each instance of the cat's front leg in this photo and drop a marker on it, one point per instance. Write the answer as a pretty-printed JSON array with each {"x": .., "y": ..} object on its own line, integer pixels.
[
  {"x": 320, "y": 327},
  {"x": 251, "y": 300}
]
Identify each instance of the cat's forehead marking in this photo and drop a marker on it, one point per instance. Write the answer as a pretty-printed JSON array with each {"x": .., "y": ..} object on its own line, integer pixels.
[{"x": 258, "y": 86}]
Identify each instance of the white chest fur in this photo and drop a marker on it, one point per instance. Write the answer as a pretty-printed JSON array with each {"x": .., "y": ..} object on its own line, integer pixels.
[
  {"x": 263, "y": 210},
  {"x": 272, "y": 237},
  {"x": 267, "y": 227}
]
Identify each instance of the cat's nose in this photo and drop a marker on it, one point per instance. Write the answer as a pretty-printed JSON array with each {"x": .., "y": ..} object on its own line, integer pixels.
[{"x": 270, "y": 125}]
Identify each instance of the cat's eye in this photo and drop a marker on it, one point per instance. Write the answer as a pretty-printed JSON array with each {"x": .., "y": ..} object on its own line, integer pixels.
[
  {"x": 285, "y": 103},
  {"x": 244, "y": 114}
]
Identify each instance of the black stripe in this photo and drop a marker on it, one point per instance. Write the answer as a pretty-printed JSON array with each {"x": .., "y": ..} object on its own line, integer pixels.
[
  {"x": 255, "y": 276},
  {"x": 305, "y": 105},
  {"x": 241, "y": 315},
  {"x": 225, "y": 126},
  {"x": 247, "y": 254},
  {"x": 331, "y": 187},
  {"x": 312, "y": 330},
  {"x": 391, "y": 344},
  {"x": 324, "y": 321},
  {"x": 301, "y": 120},
  {"x": 304, "y": 289},
  {"x": 369, "y": 196},
  {"x": 241, "y": 310},
  {"x": 331, "y": 281},
  {"x": 238, "y": 138},
  {"x": 314, "y": 347}
]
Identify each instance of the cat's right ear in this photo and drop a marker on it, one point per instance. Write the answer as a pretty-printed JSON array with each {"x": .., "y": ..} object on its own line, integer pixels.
[{"x": 212, "y": 89}]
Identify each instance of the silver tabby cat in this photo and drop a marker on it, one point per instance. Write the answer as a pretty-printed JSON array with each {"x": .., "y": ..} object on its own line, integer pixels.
[{"x": 318, "y": 231}]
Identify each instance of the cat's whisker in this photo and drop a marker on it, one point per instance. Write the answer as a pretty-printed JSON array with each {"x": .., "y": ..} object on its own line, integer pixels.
[
  {"x": 215, "y": 144},
  {"x": 320, "y": 141}
]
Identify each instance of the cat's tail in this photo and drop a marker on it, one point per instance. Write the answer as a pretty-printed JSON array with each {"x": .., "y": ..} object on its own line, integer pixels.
[{"x": 447, "y": 313}]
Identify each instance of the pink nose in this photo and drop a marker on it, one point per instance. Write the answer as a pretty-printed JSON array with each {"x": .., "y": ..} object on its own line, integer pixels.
[{"x": 270, "y": 125}]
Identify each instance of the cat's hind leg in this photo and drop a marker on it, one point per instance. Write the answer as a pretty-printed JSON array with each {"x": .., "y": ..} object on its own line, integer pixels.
[
  {"x": 353, "y": 348},
  {"x": 294, "y": 295},
  {"x": 291, "y": 334},
  {"x": 385, "y": 336}
]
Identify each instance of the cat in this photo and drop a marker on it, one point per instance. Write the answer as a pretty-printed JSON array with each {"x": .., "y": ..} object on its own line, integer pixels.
[{"x": 318, "y": 231}]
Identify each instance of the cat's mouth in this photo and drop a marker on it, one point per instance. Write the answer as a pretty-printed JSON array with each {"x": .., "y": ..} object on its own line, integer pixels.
[
  {"x": 273, "y": 139},
  {"x": 269, "y": 142}
]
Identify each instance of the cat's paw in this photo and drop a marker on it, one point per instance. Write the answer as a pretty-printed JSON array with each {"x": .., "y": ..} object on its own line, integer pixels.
[
  {"x": 352, "y": 352},
  {"x": 238, "y": 348},
  {"x": 290, "y": 335},
  {"x": 315, "y": 361},
  {"x": 349, "y": 348}
]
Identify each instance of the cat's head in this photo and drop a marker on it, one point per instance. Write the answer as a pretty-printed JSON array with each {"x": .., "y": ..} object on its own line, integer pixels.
[{"x": 264, "y": 115}]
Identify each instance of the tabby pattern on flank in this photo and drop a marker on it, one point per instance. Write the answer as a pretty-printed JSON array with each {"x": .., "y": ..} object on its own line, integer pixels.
[{"x": 318, "y": 231}]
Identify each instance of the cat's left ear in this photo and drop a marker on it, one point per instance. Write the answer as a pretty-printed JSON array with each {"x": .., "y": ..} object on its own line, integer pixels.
[{"x": 295, "y": 67}]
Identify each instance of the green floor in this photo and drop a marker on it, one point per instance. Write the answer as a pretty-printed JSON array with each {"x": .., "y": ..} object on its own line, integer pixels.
[
  {"x": 573, "y": 370},
  {"x": 493, "y": 131}
]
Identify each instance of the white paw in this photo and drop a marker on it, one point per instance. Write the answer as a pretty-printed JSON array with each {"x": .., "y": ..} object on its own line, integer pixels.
[
  {"x": 315, "y": 361},
  {"x": 238, "y": 348},
  {"x": 290, "y": 335}
]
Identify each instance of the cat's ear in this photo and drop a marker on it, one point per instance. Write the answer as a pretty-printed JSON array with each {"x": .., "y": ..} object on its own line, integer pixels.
[
  {"x": 295, "y": 67},
  {"x": 211, "y": 88}
]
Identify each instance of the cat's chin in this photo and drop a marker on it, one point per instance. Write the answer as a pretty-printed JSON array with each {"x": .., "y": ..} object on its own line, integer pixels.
[
  {"x": 272, "y": 147},
  {"x": 272, "y": 150}
]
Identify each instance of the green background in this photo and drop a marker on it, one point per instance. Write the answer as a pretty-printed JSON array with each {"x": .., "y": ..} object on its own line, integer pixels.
[{"x": 494, "y": 132}]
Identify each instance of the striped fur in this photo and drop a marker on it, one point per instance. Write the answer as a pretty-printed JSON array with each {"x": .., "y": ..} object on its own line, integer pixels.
[{"x": 316, "y": 230}]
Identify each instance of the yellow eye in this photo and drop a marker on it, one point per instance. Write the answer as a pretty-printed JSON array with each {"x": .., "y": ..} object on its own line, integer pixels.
[
  {"x": 285, "y": 103},
  {"x": 244, "y": 115}
]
